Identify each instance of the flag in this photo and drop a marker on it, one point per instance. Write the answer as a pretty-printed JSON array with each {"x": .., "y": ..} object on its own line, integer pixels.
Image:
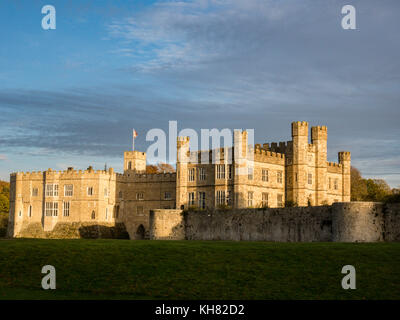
[{"x": 134, "y": 134}]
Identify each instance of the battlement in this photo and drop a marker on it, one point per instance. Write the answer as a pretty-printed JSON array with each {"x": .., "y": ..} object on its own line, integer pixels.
[
  {"x": 279, "y": 147},
  {"x": 299, "y": 128},
  {"x": 261, "y": 155},
  {"x": 333, "y": 167},
  {"x": 146, "y": 177},
  {"x": 319, "y": 133},
  {"x": 135, "y": 154},
  {"x": 49, "y": 173},
  {"x": 344, "y": 156}
]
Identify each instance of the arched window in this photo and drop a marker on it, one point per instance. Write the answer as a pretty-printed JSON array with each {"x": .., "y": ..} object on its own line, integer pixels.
[
  {"x": 93, "y": 215},
  {"x": 130, "y": 165}
]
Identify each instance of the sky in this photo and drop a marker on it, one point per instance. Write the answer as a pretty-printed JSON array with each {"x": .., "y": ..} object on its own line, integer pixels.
[{"x": 71, "y": 96}]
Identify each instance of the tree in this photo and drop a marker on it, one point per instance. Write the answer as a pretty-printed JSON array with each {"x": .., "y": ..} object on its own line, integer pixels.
[
  {"x": 160, "y": 168},
  {"x": 359, "y": 190}
]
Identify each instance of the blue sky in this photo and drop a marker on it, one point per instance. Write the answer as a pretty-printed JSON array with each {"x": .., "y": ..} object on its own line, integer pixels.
[{"x": 70, "y": 96}]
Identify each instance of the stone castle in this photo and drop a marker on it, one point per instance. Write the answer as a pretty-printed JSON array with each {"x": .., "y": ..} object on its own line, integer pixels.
[{"x": 70, "y": 203}]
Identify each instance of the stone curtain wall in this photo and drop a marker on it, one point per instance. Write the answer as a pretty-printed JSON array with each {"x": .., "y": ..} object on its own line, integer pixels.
[{"x": 341, "y": 222}]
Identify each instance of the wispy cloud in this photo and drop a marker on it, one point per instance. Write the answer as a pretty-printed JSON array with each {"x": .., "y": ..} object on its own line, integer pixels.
[{"x": 3, "y": 157}]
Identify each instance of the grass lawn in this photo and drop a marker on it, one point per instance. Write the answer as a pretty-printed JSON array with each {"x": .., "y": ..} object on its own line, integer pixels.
[{"x": 124, "y": 269}]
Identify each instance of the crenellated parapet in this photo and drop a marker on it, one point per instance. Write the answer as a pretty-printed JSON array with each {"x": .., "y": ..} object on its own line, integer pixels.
[
  {"x": 334, "y": 167},
  {"x": 261, "y": 155}
]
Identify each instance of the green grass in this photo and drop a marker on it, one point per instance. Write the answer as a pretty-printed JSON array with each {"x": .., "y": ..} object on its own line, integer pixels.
[{"x": 124, "y": 269}]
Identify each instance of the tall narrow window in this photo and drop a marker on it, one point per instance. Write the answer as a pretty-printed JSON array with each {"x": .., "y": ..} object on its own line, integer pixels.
[
  {"x": 191, "y": 174},
  {"x": 279, "y": 177},
  {"x": 90, "y": 191},
  {"x": 55, "y": 209},
  {"x": 191, "y": 198},
  {"x": 66, "y": 206},
  {"x": 106, "y": 213},
  {"x": 265, "y": 175},
  {"x": 93, "y": 215},
  {"x": 220, "y": 197},
  {"x": 310, "y": 178},
  {"x": 202, "y": 200},
  {"x": 220, "y": 171},
  {"x": 68, "y": 190},
  {"x": 105, "y": 192},
  {"x": 35, "y": 192},
  {"x": 335, "y": 184},
  {"x": 130, "y": 165},
  {"x": 30, "y": 211},
  {"x": 250, "y": 199},
  {"x": 264, "y": 201},
  {"x": 202, "y": 174}
]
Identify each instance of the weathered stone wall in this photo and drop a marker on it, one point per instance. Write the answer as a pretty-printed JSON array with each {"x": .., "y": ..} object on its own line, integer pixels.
[
  {"x": 392, "y": 222},
  {"x": 167, "y": 225},
  {"x": 341, "y": 222},
  {"x": 305, "y": 224},
  {"x": 358, "y": 222}
]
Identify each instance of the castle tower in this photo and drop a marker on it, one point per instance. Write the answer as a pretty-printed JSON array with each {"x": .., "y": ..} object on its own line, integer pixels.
[
  {"x": 135, "y": 160},
  {"x": 319, "y": 138},
  {"x": 16, "y": 205},
  {"x": 182, "y": 161},
  {"x": 345, "y": 161},
  {"x": 240, "y": 144},
  {"x": 299, "y": 165}
]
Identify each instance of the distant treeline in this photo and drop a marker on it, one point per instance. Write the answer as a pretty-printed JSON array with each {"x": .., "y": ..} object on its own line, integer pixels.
[{"x": 371, "y": 189}]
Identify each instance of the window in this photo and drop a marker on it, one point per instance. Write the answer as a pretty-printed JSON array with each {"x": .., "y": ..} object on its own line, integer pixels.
[
  {"x": 93, "y": 215},
  {"x": 191, "y": 198},
  {"x": 66, "y": 206},
  {"x": 280, "y": 200},
  {"x": 202, "y": 174},
  {"x": 68, "y": 190},
  {"x": 329, "y": 183},
  {"x": 106, "y": 213},
  {"x": 30, "y": 211},
  {"x": 279, "y": 176},
  {"x": 264, "y": 201},
  {"x": 116, "y": 212},
  {"x": 51, "y": 209},
  {"x": 228, "y": 198},
  {"x": 167, "y": 195},
  {"x": 130, "y": 165},
  {"x": 202, "y": 200},
  {"x": 90, "y": 191},
  {"x": 139, "y": 211},
  {"x": 310, "y": 178},
  {"x": 220, "y": 197},
  {"x": 191, "y": 174},
  {"x": 230, "y": 171},
  {"x": 250, "y": 199},
  {"x": 265, "y": 175},
  {"x": 51, "y": 190},
  {"x": 105, "y": 192},
  {"x": 220, "y": 171},
  {"x": 335, "y": 184},
  {"x": 120, "y": 195},
  {"x": 139, "y": 196},
  {"x": 20, "y": 213},
  {"x": 35, "y": 192},
  {"x": 250, "y": 172}
]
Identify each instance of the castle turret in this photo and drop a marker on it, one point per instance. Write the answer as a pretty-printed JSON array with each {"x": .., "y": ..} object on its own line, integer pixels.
[
  {"x": 299, "y": 166},
  {"x": 135, "y": 160},
  {"x": 182, "y": 171},
  {"x": 319, "y": 138},
  {"x": 345, "y": 161}
]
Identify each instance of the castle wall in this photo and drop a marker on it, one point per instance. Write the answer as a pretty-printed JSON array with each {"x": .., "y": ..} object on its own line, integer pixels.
[{"x": 340, "y": 222}]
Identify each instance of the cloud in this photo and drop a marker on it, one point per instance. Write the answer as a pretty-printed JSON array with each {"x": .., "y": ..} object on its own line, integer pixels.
[
  {"x": 223, "y": 63},
  {"x": 3, "y": 157}
]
